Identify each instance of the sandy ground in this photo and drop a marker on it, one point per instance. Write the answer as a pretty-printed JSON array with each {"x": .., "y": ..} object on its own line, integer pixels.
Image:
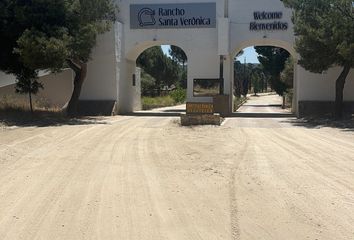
[
  {"x": 263, "y": 103},
  {"x": 148, "y": 178}
]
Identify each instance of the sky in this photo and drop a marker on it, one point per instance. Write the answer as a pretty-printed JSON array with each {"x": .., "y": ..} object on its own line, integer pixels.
[{"x": 249, "y": 53}]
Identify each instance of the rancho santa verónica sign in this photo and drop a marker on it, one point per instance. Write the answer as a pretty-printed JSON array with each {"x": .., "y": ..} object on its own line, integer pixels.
[{"x": 184, "y": 15}]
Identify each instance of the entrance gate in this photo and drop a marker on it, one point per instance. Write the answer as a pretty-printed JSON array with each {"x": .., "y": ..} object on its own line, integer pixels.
[{"x": 210, "y": 32}]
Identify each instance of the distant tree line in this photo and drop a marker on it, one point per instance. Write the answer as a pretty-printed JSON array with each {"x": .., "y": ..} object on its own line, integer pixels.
[
  {"x": 160, "y": 71},
  {"x": 275, "y": 71}
]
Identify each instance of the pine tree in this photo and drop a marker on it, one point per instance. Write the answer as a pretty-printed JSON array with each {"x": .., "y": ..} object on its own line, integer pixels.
[{"x": 325, "y": 38}]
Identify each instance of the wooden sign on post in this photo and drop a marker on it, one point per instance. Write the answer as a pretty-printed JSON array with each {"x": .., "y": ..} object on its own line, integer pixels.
[{"x": 200, "y": 108}]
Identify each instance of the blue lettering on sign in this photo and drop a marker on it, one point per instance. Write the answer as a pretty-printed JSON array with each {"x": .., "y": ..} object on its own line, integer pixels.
[
  {"x": 168, "y": 22},
  {"x": 176, "y": 12},
  {"x": 195, "y": 21},
  {"x": 171, "y": 12}
]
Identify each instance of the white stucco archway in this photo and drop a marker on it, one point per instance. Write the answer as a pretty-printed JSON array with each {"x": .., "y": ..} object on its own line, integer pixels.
[
  {"x": 139, "y": 48},
  {"x": 265, "y": 42},
  {"x": 228, "y": 30},
  {"x": 131, "y": 95},
  {"x": 273, "y": 43}
]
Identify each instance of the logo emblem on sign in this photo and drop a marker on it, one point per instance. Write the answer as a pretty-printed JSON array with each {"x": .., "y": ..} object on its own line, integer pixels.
[{"x": 146, "y": 17}]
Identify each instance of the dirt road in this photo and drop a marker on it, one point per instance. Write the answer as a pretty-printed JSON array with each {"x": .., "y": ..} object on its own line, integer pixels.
[
  {"x": 263, "y": 103},
  {"x": 139, "y": 178}
]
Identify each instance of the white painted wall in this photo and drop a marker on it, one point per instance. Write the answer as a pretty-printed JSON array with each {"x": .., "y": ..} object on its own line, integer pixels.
[
  {"x": 321, "y": 87},
  {"x": 137, "y": 90},
  {"x": 101, "y": 82},
  {"x": 200, "y": 45},
  {"x": 6, "y": 79},
  {"x": 241, "y": 14},
  {"x": 56, "y": 93},
  {"x": 203, "y": 46}
]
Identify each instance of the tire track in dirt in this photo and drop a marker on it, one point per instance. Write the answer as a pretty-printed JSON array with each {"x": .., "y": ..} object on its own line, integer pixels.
[
  {"x": 234, "y": 174},
  {"x": 148, "y": 178},
  {"x": 326, "y": 148},
  {"x": 49, "y": 195},
  {"x": 301, "y": 199}
]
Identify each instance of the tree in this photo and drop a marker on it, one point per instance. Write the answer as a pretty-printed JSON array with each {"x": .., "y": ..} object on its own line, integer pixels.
[
  {"x": 256, "y": 78},
  {"x": 287, "y": 75},
  {"x": 325, "y": 38},
  {"x": 243, "y": 77},
  {"x": 12, "y": 25},
  {"x": 179, "y": 56},
  {"x": 172, "y": 72},
  {"x": 273, "y": 61},
  {"x": 237, "y": 74},
  {"x": 52, "y": 34},
  {"x": 27, "y": 84},
  {"x": 153, "y": 63},
  {"x": 147, "y": 84},
  {"x": 163, "y": 69}
]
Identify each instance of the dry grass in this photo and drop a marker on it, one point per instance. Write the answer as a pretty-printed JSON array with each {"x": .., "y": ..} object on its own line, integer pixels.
[
  {"x": 21, "y": 102},
  {"x": 16, "y": 111}
]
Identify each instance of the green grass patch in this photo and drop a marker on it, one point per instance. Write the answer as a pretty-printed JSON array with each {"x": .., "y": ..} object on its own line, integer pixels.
[
  {"x": 177, "y": 96},
  {"x": 156, "y": 102}
]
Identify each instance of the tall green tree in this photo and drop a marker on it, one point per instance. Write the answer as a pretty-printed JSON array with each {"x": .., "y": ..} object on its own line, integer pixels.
[
  {"x": 287, "y": 75},
  {"x": 163, "y": 69},
  {"x": 180, "y": 57},
  {"x": 153, "y": 63},
  {"x": 53, "y": 34},
  {"x": 324, "y": 32},
  {"x": 273, "y": 61},
  {"x": 243, "y": 77},
  {"x": 13, "y": 23},
  {"x": 238, "y": 75},
  {"x": 256, "y": 79},
  {"x": 238, "y": 78}
]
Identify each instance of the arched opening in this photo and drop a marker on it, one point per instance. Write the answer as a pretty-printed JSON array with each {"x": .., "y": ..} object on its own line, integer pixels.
[
  {"x": 161, "y": 78},
  {"x": 264, "y": 79}
]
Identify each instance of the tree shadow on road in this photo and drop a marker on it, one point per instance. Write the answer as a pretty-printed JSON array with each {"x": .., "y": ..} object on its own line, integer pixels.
[
  {"x": 43, "y": 118},
  {"x": 316, "y": 123}
]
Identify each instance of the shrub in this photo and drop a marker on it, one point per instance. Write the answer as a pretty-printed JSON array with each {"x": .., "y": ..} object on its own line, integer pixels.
[
  {"x": 179, "y": 95},
  {"x": 289, "y": 98}
]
